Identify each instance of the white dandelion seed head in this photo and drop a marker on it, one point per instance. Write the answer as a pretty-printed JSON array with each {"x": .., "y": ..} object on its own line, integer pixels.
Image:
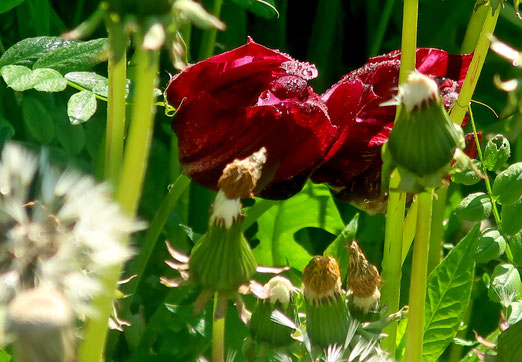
[{"x": 59, "y": 230}]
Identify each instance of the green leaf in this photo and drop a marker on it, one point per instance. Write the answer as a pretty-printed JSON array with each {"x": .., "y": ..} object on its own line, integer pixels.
[
  {"x": 17, "y": 77},
  {"x": 263, "y": 8},
  {"x": 81, "y": 106},
  {"x": 338, "y": 250},
  {"x": 71, "y": 137},
  {"x": 515, "y": 312},
  {"x": 509, "y": 347},
  {"x": 7, "y": 5},
  {"x": 91, "y": 81},
  {"x": 466, "y": 177},
  {"x": 507, "y": 187},
  {"x": 38, "y": 121},
  {"x": 76, "y": 56},
  {"x": 474, "y": 207},
  {"x": 496, "y": 153},
  {"x": 515, "y": 244},
  {"x": 48, "y": 80},
  {"x": 511, "y": 220},
  {"x": 6, "y": 131},
  {"x": 312, "y": 207},
  {"x": 490, "y": 245},
  {"x": 4, "y": 356},
  {"x": 448, "y": 295},
  {"x": 505, "y": 284},
  {"x": 27, "y": 51}
]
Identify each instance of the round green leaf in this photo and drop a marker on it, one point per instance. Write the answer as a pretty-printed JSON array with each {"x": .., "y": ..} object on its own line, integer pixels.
[
  {"x": 75, "y": 56},
  {"x": 515, "y": 244},
  {"x": 474, "y": 207},
  {"x": 81, "y": 106},
  {"x": 496, "y": 153},
  {"x": 505, "y": 284},
  {"x": 17, "y": 77},
  {"x": 91, "y": 81},
  {"x": 511, "y": 218},
  {"x": 48, "y": 80},
  {"x": 507, "y": 187},
  {"x": 466, "y": 177},
  {"x": 38, "y": 121},
  {"x": 490, "y": 245}
]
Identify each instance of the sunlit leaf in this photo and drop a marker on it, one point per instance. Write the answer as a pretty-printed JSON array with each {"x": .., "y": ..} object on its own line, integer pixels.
[
  {"x": 474, "y": 207},
  {"x": 81, "y": 106},
  {"x": 17, "y": 77},
  {"x": 448, "y": 295},
  {"x": 29, "y": 50},
  {"x": 505, "y": 284},
  {"x": 48, "y": 80},
  {"x": 507, "y": 187}
]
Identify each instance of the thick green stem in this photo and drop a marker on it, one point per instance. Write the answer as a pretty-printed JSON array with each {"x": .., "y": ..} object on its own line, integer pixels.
[
  {"x": 218, "y": 336},
  {"x": 128, "y": 194},
  {"x": 115, "y": 116},
  {"x": 392, "y": 257},
  {"x": 474, "y": 28},
  {"x": 479, "y": 56},
  {"x": 437, "y": 228},
  {"x": 415, "y": 333},
  {"x": 206, "y": 49}
]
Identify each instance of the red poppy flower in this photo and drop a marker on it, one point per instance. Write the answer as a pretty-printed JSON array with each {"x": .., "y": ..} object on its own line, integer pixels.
[
  {"x": 234, "y": 103},
  {"x": 355, "y": 103}
]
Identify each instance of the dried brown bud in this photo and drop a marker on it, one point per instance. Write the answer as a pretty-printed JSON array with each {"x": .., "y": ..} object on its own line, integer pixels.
[
  {"x": 240, "y": 177},
  {"x": 363, "y": 279},
  {"x": 321, "y": 279}
]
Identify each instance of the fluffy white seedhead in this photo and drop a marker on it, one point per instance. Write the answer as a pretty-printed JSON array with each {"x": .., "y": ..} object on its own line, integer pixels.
[
  {"x": 61, "y": 230},
  {"x": 419, "y": 90},
  {"x": 280, "y": 290},
  {"x": 224, "y": 210}
]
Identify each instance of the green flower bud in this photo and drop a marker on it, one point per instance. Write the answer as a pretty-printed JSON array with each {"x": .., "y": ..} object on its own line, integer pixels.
[
  {"x": 327, "y": 316},
  {"x": 222, "y": 260},
  {"x": 262, "y": 327},
  {"x": 423, "y": 139}
]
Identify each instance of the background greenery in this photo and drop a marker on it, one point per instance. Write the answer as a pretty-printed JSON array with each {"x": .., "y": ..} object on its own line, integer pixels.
[{"x": 338, "y": 36}]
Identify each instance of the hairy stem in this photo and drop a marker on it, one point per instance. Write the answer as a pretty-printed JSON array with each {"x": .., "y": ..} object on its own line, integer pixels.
[
  {"x": 115, "y": 116},
  {"x": 479, "y": 56},
  {"x": 415, "y": 333},
  {"x": 128, "y": 194},
  {"x": 392, "y": 258}
]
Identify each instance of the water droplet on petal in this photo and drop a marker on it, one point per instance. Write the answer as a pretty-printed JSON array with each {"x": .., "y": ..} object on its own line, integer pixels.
[{"x": 300, "y": 69}]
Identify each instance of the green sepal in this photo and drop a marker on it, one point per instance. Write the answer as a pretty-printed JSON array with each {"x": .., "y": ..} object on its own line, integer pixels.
[
  {"x": 263, "y": 329},
  {"x": 327, "y": 322},
  {"x": 424, "y": 140},
  {"x": 222, "y": 260}
]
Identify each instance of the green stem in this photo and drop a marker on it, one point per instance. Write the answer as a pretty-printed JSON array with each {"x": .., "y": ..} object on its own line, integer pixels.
[
  {"x": 206, "y": 49},
  {"x": 474, "y": 28},
  {"x": 115, "y": 116},
  {"x": 479, "y": 56},
  {"x": 80, "y": 88},
  {"x": 381, "y": 27},
  {"x": 415, "y": 332},
  {"x": 138, "y": 264},
  {"x": 128, "y": 193},
  {"x": 392, "y": 257},
  {"x": 218, "y": 336},
  {"x": 437, "y": 228}
]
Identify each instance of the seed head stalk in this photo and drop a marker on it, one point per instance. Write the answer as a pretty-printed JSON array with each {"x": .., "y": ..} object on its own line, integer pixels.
[
  {"x": 392, "y": 258},
  {"x": 115, "y": 116},
  {"x": 218, "y": 336},
  {"x": 206, "y": 49},
  {"x": 128, "y": 193}
]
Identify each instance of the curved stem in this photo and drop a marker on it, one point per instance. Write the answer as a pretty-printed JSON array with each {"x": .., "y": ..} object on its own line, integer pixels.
[
  {"x": 115, "y": 116},
  {"x": 128, "y": 194},
  {"x": 415, "y": 333},
  {"x": 479, "y": 56},
  {"x": 206, "y": 49}
]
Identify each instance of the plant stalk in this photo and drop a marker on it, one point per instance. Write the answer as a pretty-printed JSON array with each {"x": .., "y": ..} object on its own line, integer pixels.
[
  {"x": 392, "y": 257},
  {"x": 415, "y": 332},
  {"x": 381, "y": 27},
  {"x": 479, "y": 56},
  {"x": 437, "y": 228},
  {"x": 206, "y": 49},
  {"x": 115, "y": 116},
  {"x": 131, "y": 180},
  {"x": 218, "y": 336},
  {"x": 474, "y": 28}
]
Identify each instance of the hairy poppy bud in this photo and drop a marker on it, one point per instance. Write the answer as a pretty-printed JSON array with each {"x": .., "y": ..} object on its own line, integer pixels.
[{"x": 327, "y": 316}]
